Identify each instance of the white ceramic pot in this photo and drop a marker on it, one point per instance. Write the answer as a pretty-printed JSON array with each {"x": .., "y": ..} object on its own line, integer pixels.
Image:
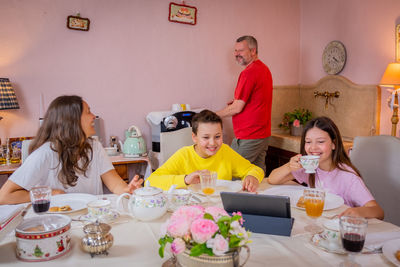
[
  {"x": 43, "y": 238},
  {"x": 146, "y": 203}
]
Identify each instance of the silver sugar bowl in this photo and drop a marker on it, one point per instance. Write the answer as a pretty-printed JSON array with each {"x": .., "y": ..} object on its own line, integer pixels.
[{"x": 97, "y": 239}]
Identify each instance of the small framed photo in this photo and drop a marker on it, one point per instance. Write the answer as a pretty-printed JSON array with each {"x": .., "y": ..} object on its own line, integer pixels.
[
  {"x": 398, "y": 43},
  {"x": 182, "y": 13},
  {"x": 78, "y": 23}
]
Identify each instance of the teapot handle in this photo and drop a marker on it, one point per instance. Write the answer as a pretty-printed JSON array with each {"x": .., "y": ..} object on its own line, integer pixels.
[
  {"x": 120, "y": 206},
  {"x": 136, "y": 128}
]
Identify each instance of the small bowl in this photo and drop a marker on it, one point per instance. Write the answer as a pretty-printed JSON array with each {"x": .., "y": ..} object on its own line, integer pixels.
[
  {"x": 111, "y": 151},
  {"x": 43, "y": 238}
]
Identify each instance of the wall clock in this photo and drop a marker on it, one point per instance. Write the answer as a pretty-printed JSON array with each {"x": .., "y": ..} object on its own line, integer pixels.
[{"x": 334, "y": 57}]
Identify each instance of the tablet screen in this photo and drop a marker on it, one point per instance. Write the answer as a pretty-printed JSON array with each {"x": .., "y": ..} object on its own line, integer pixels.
[{"x": 267, "y": 205}]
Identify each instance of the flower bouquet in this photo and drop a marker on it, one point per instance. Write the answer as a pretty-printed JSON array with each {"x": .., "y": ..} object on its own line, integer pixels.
[{"x": 196, "y": 230}]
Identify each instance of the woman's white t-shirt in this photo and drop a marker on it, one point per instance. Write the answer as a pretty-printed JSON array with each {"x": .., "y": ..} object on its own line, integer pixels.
[{"x": 42, "y": 167}]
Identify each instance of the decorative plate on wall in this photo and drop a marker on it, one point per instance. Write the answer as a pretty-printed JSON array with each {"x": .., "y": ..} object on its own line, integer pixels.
[{"x": 334, "y": 57}]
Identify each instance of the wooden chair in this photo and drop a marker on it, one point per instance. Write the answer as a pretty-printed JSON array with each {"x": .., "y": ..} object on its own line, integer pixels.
[{"x": 378, "y": 160}]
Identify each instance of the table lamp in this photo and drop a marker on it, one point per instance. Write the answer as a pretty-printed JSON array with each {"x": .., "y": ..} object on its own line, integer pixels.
[
  {"x": 8, "y": 99},
  {"x": 391, "y": 78}
]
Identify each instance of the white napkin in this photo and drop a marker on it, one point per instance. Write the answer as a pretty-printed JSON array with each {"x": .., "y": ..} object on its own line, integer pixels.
[
  {"x": 375, "y": 241},
  {"x": 7, "y": 211}
]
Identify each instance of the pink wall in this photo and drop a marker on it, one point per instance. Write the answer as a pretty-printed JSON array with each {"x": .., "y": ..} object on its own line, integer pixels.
[
  {"x": 365, "y": 27},
  {"x": 133, "y": 60}
]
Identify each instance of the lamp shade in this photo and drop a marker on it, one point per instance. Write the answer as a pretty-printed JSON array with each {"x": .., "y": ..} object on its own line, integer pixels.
[
  {"x": 391, "y": 77},
  {"x": 8, "y": 99}
]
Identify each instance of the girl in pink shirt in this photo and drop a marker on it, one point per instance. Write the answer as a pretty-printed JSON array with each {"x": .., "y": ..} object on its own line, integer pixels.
[{"x": 335, "y": 173}]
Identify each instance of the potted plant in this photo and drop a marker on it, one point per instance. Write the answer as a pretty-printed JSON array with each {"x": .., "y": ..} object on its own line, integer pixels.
[
  {"x": 295, "y": 121},
  {"x": 204, "y": 237}
]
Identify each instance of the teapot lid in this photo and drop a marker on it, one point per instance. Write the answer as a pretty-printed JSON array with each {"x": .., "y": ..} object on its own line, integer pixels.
[
  {"x": 96, "y": 228},
  {"x": 147, "y": 191}
]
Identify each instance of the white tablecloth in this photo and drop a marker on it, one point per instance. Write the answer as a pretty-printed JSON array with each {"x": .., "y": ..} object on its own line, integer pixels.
[{"x": 136, "y": 244}]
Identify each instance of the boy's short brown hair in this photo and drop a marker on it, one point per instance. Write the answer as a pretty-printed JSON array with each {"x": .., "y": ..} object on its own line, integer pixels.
[{"x": 205, "y": 116}]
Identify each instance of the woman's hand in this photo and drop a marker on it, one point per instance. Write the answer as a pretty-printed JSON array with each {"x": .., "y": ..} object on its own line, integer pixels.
[
  {"x": 194, "y": 177},
  {"x": 134, "y": 184},
  {"x": 294, "y": 163},
  {"x": 250, "y": 183}
]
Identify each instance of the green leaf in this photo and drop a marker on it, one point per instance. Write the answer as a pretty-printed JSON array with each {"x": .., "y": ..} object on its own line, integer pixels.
[
  {"x": 234, "y": 241},
  {"x": 208, "y": 216},
  {"x": 199, "y": 249},
  {"x": 223, "y": 228},
  {"x": 163, "y": 242},
  {"x": 224, "y": 219},
  {"x": 236, "y": 218}
]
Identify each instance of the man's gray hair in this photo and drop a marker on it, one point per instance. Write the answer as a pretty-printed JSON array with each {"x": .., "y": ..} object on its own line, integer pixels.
[{"x": 251, "y": 41}]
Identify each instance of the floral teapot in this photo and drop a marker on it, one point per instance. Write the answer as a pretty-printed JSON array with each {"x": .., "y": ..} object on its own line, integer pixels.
[{"x": 146, "y": 203}]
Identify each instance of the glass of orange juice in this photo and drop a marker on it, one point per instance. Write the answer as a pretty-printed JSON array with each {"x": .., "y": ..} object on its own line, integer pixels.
[
  {"x": 208, "y": 182},
  {"x": 314, "y": 200}
]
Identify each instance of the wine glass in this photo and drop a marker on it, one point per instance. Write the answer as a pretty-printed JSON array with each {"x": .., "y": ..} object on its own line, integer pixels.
[
  {"x": 40, "y": 198},
  {"x": 208, "y": 182},
  {"x": 314, "y": 200},
  {"x": 352, "y": 232}
]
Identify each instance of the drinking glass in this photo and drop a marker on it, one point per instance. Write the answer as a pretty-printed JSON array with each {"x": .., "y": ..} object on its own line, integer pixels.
[
  {"x": 314, "y": 200},
  {"x": 40, "y": 198},
  {"x": 352, "y": 232},
  {"x": 208, "y": 182}
]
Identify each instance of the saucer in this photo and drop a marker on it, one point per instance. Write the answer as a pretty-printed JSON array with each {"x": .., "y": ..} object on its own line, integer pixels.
[
  {"x": 332, "y": 224},
  {"x": 113, "y": 215}
]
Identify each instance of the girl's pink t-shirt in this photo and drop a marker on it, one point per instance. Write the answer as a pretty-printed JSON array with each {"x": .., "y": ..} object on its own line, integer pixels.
[{"x": 343, "y": 183}]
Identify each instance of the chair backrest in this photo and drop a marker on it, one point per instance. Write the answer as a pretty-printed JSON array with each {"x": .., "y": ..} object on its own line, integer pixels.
[
  {"x": 170, "y": 142},
  {"x": 378, "y": 160}
]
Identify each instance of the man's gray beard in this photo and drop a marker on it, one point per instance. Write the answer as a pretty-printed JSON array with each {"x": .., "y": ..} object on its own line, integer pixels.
[{"x": 243, "y": 63}]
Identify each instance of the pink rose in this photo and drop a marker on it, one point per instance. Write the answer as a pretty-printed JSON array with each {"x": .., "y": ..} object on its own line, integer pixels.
[
  {"x": 216, "y": 212},
  {"x": 219, "y": 245},
  {"x": 203, "y": 229},
  {"x": 191, "y": 213},
  {"x": 178, "y": 226},
  {"x": 296, "y": 123},
  {"x": 178, "y": 246}
]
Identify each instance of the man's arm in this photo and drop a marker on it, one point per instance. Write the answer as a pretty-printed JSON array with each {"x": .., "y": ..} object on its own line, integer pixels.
[{"x": 232, "y": 109}]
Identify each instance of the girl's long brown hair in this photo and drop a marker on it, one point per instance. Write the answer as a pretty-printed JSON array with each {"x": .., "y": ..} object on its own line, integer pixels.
[
  {"x": 62, "y": 128},
  {"x": 339, "y": 155}
]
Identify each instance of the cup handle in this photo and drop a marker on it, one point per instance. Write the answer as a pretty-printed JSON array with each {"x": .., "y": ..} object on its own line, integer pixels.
[
  {"x": 120, "y": 206},
  {"x": 248, "y": 255}
]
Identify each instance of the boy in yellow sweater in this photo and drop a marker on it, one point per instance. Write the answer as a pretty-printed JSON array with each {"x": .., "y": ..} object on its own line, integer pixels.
[{"x": 207, "y": 154}]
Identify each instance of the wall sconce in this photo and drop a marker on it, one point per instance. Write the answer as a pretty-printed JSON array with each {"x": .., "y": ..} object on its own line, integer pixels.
[
  {"x": 8, "y": 99},
  {"x": 391, "y": 78}
]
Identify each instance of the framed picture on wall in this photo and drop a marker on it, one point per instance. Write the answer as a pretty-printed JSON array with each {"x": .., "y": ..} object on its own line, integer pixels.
[
  {"x": 398, "y": 43},
  {"x": 78, "y": 23},
  {"x": 182, "y": 13}
]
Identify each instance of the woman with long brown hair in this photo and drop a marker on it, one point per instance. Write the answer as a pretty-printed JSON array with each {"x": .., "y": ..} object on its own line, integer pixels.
[
  {"x": 65, "y": 157},
  {"x": 335, "y": 172}
]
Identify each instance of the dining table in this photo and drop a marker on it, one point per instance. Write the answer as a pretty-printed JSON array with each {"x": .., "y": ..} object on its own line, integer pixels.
[{"x": 136, "y": 243}]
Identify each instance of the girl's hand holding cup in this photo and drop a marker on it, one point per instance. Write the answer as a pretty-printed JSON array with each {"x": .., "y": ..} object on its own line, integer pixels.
[{"x": 294, "y": 163}]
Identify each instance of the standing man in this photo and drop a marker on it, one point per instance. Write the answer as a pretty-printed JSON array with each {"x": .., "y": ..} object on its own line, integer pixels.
[{"x": 251, "y": 107}]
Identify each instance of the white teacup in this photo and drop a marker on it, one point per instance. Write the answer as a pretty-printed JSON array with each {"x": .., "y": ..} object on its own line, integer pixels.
[
  {"x": 309, "y": 163},
  {"x": 178, "y": 198},
  {"x": 99, "y": 208}
]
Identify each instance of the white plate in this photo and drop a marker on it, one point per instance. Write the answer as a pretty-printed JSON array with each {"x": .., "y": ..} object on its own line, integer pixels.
[
  {"x": 222, "y": 186},
  {"x": 74, "y": 200},
  {"x": 389, "y": 249},
  {"x": 332, "y": 201}
]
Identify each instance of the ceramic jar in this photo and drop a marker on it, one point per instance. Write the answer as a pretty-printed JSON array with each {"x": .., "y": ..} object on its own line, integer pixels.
[
  {"x": 98, "y": 238},
  {"x": 146, "y": 203},
  {"x": 43, "y": 238}
]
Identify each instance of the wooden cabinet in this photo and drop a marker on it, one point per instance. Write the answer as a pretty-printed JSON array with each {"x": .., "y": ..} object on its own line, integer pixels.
[{"x": 276, "y": 157}]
